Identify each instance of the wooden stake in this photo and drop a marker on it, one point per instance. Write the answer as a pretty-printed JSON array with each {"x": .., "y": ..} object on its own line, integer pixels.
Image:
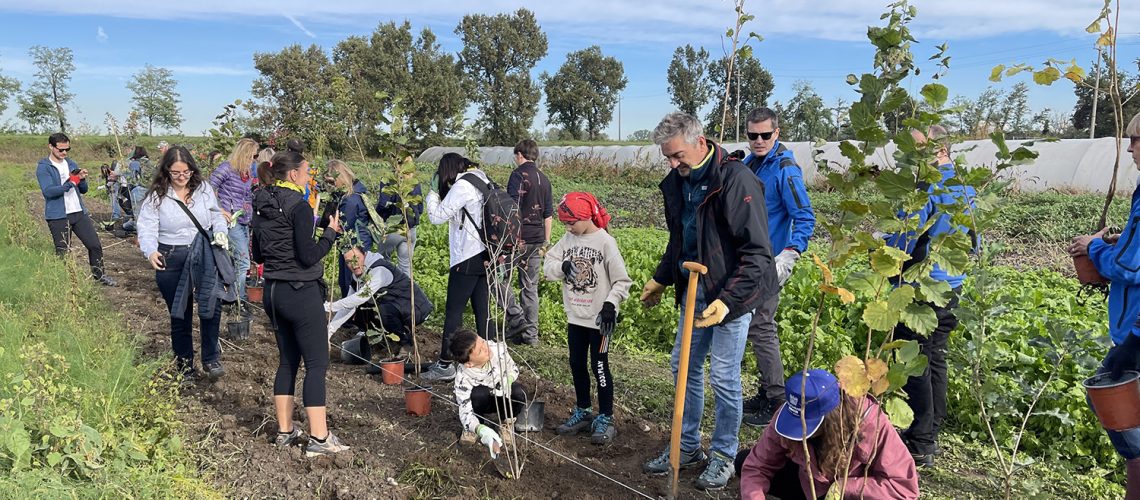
[{"x": 695, "y": 271}]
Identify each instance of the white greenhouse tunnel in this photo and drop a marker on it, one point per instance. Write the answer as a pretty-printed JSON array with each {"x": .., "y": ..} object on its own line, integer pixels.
[{"x": 1066, "y": 165}]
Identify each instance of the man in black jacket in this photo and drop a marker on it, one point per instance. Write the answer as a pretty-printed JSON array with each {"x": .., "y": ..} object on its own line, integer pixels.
[{"x": 715, "y": 212}]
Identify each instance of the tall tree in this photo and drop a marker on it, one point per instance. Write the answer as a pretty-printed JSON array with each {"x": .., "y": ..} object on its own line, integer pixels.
[
  {"x": 295, "y": 92},
  {"x": 585, "y": 89},
  {"x": 8, "y": 88},
  {"x": 498, "y": 53},
  {"x": 806, "y": 116},
  {"x": 1014, "y": 112},
  {"x": 436, "y": 95},
  {"x": 52, "y": 77},
  {"x": 1105, "y": 116},
  {"x": 688, "y": 79},
  {"x": 755, "y": 86},
  {"x": 156, "y": 98},
  {"x": 36, "y": 110}
]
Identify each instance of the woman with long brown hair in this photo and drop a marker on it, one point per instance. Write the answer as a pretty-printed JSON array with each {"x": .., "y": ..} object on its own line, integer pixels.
[
  {"x": 871, "y": 462},
  {"x": 184, "y": 268}
]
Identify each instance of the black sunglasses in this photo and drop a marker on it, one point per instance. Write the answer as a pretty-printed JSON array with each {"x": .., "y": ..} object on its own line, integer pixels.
[
  {"x": 752, "y": 136},
  {"x": 62, "y": 150}
]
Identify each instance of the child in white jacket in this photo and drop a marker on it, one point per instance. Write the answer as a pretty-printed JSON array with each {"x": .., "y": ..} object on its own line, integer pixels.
[
  {"x": 595, "y": 282},
  {"x": 485, "y": 377}
]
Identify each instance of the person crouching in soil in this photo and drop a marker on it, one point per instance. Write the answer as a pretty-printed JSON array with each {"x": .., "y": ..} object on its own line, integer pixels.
[
  {"x": 880, "y": 465},
  {"x": 484, "y": 379}
]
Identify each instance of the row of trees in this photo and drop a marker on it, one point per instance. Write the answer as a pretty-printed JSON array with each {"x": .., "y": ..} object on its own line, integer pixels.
[
  {"x": 338, "y": 102},
  {"x": 44, "y": 101}
]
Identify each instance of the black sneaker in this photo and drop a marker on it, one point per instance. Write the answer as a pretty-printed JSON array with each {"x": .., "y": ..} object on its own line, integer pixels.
[
  {"x": 755, "y": 403},
  {"x": 922, "y": 460},
  {"x": 580, "y": 420},
  {"x": 761, "y": 417},
  {"x": 214, "y": 370}
]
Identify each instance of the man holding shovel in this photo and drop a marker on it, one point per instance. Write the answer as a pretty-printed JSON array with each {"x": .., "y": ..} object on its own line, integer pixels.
[{"x": 715, "y": 213}]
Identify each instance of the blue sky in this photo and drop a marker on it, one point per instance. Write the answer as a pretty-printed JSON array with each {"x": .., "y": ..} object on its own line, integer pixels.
[{"x": 209, "y": 43}]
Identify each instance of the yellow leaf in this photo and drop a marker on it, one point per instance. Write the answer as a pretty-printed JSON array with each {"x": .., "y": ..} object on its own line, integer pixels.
[
  {"x": 827, "y": 277},
  {"x": 880, "y": 386},
  {"x": 876, "y": 369},
  {"x": 845, "y": 295},
  {"x": 1106, "y": 38},
  {"x": 852, "y": 376}
]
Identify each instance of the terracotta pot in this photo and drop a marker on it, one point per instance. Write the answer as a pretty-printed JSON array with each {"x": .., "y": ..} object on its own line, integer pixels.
[
  {"x": 417, "y": 400},
  {"x": 1115, "y": 402},
  {"x": 254, "y": 294},
  {"x": 392, "y": 370},
  {"x": 1086, "y": 271}
]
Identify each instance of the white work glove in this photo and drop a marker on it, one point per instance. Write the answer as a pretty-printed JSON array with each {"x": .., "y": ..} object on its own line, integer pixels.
[
  {"x": 785, "y": 262},
  {"x": 222, "y": 240},
  {"x": 879, "y": 235},
  {"x": 328, "y": 307},
  {"x": 491, "y": 439}
]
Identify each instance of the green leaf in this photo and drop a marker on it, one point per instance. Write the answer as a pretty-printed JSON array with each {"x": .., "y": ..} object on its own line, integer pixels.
[
  {"x": 934, "y": 291},
  {"x": 919, "y": 318},
  {"x": 895, "y": 99},
  {"x": 900, "y": 298},
  {"x": 862, "y": 281},
  {"x": 935, "y": 94},
  {"x": 899, "y": 412},
  {"x": 995, "y": 74},
  {"x": 1047, "y": 76},
  {"x": 852, "y": 79},
  {"x": 909, "y": 351},
  {"x": 895, "y": 184},
  {"x": 852, "y": 152},
  {"x": 54, "y": 458},
  {"x": 887, "y": 261},
  {"x": 879, "y": 316}
]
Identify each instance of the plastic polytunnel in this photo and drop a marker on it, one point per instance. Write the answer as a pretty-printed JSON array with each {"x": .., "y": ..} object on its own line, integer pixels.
[{"x": 1070, "y": 164}]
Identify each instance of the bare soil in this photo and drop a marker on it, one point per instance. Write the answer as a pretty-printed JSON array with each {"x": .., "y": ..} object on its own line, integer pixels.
[{"x": 394, "y": 454}]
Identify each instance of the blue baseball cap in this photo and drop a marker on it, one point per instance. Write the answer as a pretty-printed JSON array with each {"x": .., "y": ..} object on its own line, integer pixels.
[{"x": 820, "y": 396}]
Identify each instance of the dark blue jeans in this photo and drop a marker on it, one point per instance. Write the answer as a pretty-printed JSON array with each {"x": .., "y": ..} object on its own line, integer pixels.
[{"x": 182, "y": 330}]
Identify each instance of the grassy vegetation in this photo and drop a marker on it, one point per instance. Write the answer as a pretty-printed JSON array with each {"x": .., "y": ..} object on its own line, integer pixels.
[{"x": 81, "y": 416}]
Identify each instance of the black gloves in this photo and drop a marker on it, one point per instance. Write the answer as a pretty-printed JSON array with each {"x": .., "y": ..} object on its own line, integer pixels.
[
  {"x": 1124, "y": 357},
  {"x": 607, "y": 319}
]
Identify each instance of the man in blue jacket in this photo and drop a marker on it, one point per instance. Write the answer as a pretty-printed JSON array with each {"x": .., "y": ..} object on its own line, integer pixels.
[
  {"x": 791, "y": 222},
  {"x": 62, "y": 183},
  {"x": 926, "y": 393}
]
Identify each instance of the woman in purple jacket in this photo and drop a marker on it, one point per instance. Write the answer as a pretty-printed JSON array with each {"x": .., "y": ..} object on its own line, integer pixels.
[{"x": 233, "y": 182}]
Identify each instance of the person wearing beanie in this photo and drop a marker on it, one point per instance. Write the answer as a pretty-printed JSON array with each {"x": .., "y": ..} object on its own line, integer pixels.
[{"x": 594, "y": 282}]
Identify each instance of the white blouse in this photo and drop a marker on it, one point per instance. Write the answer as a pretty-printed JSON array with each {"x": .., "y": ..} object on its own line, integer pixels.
[
  {"x": 463, "y": 237},
  {"x": 167, "y": 223}
]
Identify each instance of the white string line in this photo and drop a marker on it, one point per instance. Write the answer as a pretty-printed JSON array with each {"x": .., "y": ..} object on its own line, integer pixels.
[{"x": 517, "y": 435}]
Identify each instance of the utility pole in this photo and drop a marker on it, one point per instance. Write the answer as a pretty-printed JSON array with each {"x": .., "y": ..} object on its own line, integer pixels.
[{"x": 1096, "y": 96}]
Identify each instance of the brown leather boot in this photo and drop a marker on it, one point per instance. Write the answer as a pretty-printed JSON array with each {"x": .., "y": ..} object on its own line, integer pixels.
[{"x": 1132, "y": 488}]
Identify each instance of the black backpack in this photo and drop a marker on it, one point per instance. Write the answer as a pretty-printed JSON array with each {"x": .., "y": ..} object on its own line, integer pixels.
[{"x": 501, "y": 231}]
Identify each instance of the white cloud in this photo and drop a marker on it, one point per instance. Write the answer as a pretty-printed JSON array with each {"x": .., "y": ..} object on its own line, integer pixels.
[
  {"x": 637, "y": 21},
  {"x": 101, "y": 35},
  {"x": 300, "y": 26}
]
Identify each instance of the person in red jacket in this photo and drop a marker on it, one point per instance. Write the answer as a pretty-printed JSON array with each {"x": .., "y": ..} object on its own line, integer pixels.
[{"x": 881, "y": 467}]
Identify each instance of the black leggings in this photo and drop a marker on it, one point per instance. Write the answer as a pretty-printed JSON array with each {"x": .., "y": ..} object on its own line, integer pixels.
[
  {"x": 581, "y": 339},
  {"x": 298, "y": 315},
  {"x": 84, "y": 229},
  {"x": 466, "y": 281}
]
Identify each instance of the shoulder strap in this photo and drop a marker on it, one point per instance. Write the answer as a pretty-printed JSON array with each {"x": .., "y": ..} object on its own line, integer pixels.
[
  {"x": 483, "y": 189},
  {"x": 192, "y": 218}
]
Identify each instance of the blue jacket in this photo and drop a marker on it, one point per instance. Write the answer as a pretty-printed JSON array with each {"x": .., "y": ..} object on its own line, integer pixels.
[
  {"x": 54, "y": 188},
  {"x": 791, "y": 220},
  {"x": 354, "y": 216},
  {"x": 948, "y": 195},
  {"x": 388, "y": 205},
  {"x": 1120, "y": 263}
]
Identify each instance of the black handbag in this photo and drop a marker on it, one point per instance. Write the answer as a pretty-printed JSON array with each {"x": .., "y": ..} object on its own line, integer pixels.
[{"x": 222, "y": 261}]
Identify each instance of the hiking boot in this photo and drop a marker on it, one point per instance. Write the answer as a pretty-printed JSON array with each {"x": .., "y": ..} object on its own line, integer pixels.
[
  {"x": 106, "y": 281},
  {"x": 755, "y": 403},
  {"x": 603, "y": 430},
  {"x": 214, "y": 370},
  {"x": 659, "y": 466},
  {"x": 524, "y": 340},
  {"x": 717, "y": 474},
  {"x": 330, "y": 446},
  {"x": 922, "y": 460},
  {"x": 291, "y": 438},
  {"x": 441, "y": 371},
  {"x": 761, "y": 417},
  {"x": 579, "y": 421}
]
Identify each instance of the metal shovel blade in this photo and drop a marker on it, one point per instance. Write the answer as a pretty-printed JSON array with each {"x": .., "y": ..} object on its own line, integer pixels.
[{"x": 503, "y": 465}]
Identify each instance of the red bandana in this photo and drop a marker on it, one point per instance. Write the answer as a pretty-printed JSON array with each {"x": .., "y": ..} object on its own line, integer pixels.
[{"x": 579, "y": 205}]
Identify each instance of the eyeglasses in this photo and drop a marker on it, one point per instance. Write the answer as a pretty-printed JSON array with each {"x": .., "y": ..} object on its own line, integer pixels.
[
  {"x": 752, "y": 136},
  {"x": 181, "y": 174},
  {"x": 62, "y": 150}
]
